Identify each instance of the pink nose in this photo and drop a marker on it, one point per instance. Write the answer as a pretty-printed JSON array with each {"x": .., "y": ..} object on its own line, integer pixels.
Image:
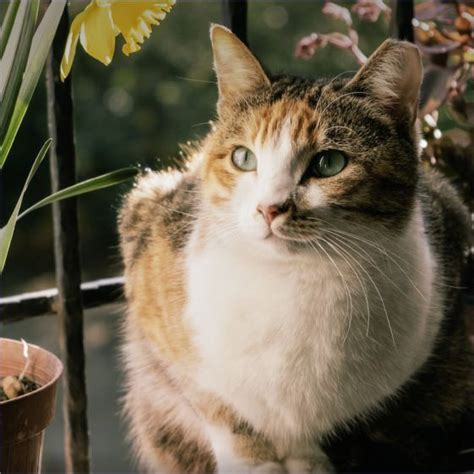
[{"x": 270, "y": 212}]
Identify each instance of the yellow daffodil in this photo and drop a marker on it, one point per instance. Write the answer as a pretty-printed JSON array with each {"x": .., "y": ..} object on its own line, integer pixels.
[{"x": 102, "y": 20}]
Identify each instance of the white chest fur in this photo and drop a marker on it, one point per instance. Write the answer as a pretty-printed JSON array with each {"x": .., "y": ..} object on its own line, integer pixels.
[{"x": 286, "y": 346}]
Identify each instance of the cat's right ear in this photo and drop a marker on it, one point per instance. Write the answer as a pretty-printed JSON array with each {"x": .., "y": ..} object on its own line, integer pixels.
[
  {"x": 392, "y": 75},
  {"x": 238, "y": 71}
]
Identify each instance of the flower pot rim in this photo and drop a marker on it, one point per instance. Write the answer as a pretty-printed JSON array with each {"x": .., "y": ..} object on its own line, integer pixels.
[{"x": 57, "y": 375}]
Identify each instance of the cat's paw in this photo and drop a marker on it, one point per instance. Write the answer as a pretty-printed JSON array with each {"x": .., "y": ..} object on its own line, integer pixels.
[
  {"x": 268, "y": 468},
  {"x": 320, "y": 465},
  {"x": 248, "y": 467}
]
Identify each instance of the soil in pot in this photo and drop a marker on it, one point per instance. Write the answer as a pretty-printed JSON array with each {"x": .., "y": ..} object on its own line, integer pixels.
[
  {"x": 13, "y": 386},
  {"x": 24, "y": 418}
]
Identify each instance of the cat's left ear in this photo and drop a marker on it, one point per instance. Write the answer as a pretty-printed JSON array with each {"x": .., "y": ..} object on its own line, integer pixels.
[
  {"x": 238, "y": 71},
  {"x": 392, "y": 74}
]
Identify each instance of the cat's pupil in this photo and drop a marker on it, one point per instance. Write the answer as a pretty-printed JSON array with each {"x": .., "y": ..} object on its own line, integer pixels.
[
  {"x": 328, "y": 163},
  {"x": 244, "y": 159}
]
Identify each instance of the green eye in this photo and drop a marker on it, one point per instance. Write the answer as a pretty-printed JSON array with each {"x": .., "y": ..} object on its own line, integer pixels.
[
  {"x": 244, "y": 159},
  {"x": 328, "y": 163}
]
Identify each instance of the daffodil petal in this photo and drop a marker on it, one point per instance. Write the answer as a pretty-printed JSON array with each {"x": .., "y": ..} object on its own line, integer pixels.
[
  {"x": 134, "y": 20},
  {"x": 98, "y": 33},
  {"x": 71, "y": 45},
  {"x": 130, "y": 47}
]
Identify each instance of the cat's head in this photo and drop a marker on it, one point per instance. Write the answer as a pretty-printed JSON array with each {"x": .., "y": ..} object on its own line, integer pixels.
[{"x": 290, "y": 159}]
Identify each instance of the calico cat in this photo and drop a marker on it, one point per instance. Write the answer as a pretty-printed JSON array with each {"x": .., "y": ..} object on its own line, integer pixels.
[{"x": 293, "y": 301}]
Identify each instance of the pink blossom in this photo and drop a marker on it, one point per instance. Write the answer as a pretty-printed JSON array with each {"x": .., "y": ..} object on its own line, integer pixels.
[
  {"x": 370, "y": 10},
  {"x": 308, "y": 45},
  {"x": 338, "y": 12}
]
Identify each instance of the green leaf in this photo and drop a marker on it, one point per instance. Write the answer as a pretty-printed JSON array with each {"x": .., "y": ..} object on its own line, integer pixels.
[
  {"x": 93, "y": 184},
  {"x": 39, "y": 51},
  {"x": 7, "y": 24},
  {"x": 6, "y": 233},
  {"x": 14, "y": 62},
  {"x": 11, "y": 46}
]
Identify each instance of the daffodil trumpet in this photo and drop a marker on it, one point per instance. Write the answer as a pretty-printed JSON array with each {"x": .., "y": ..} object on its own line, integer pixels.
[{"x": 103, "y": 20}]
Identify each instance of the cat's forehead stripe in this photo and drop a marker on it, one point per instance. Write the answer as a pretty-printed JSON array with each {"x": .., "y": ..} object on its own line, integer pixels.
[
  {"x": 279, "y": 145},
  {"x": 302, "y": 123}
]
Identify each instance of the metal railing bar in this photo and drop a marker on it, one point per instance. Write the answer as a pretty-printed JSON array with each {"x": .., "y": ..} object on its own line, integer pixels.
[
  {"x": 41, "y": 303},
  {"x": 67, "y": 259},
  {"x": 235, "y": 17},
  {"x": 403, "y": 12},
  {"x": 94, "y": 294}
]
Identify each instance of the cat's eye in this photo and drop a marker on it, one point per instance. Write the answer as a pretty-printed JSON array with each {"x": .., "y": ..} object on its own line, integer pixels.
[
  {"x": 244, "y": 159},
  {"x": 327, "y": 163}
]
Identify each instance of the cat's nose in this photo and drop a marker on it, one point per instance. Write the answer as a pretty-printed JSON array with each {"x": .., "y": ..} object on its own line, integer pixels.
[{"x": 270, "y": 212}]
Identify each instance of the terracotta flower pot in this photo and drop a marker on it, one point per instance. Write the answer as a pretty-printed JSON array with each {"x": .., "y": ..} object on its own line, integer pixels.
[{"x": 23, "y": 420}]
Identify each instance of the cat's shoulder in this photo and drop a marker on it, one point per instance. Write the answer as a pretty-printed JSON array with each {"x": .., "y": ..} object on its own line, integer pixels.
[
  {"x": 442, "y": 202},
  {"x": 446, "y": 220},
  {"x": 160, "y": 204}
]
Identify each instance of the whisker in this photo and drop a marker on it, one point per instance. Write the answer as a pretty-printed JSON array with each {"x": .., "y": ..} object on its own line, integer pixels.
[
  {"x": 359, "y": 278},
  {"x": 339, "y": 75},
  {"x": 190, "y": 79},
  {"x": 200, "y": 124},
  {"x": 390, "y": 280},
  {"x": 344, "y": 282},
  {"x": 340, "y": 126},
  {"x": 381, "y": 300},
  {"x": 177, "y": 211},
  {"x": 390, "y": 255}
]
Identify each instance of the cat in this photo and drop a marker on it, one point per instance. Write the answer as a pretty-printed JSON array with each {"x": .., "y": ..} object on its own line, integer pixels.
[{"x": 293, "y": 289}]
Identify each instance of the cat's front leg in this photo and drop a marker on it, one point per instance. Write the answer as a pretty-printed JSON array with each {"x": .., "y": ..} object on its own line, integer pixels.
[
  {"x": 307, "y": 458},
  {"x": 240, "y": 450},
  {"x": 308, "y": 466}
]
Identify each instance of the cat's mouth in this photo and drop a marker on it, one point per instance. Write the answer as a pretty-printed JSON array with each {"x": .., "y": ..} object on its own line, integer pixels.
[
  {"x": 285, "y": 230},
  {"x": 277, "y": 235},
  {"x": 274, "y": 232},
  {"x": 292, "y": 233},
  {"x": 273, "y": 235},
  {"x": 274, "y": 229}
]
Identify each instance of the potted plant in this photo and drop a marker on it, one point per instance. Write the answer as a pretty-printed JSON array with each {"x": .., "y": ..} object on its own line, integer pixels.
[{"x": 28, "y": 380}]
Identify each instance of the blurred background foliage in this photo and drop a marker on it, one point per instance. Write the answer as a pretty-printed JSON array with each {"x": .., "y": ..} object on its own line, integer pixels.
[{"x": 137, "y": 111}]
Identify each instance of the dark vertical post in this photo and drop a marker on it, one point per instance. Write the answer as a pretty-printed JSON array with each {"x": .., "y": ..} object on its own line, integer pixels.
[
  {"x": 66, "y": 249},
  {"x": 235, "y": 17},
  {"x": 403, "y": 12}
]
